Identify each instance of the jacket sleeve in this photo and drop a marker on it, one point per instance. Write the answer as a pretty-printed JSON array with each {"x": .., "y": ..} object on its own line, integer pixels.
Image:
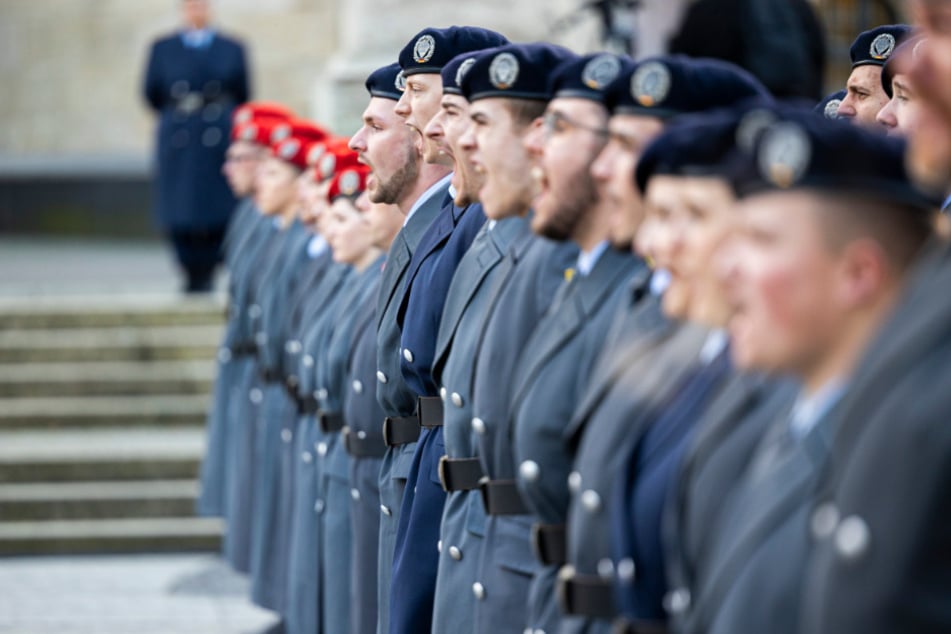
[
  {"x": 153, "y": 86},
  {"x": 243, "y": 89}
]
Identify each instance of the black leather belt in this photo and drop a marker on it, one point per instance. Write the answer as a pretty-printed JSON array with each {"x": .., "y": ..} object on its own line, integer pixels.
[
  {"x": 307, "y": 405},
  {"x": 585, "y": 595},
  {"x": 459, "y": 474},
  {"x": 549, "y": 543},
  {"x": 362, "y": 445},
  {"x": 400, "y": 430},
  {"x": 272, "y": 376},
  {"x": 430, "y": 411},
  {"x": 330, "y": 422},
  {"x": 501, "y": 497},
  {"x": 244, "y": 349},
  {"x": 623, "y": 626}
]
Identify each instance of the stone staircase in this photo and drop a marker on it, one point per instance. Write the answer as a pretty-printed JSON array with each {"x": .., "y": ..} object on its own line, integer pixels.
[{"x": 102, "y": 411}]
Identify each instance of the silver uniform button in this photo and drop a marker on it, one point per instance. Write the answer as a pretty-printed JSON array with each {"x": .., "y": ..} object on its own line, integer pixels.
[
  {"x": 307, "y": 457},
  {"x": 456, "y": 399},
  {"x": 442, "y": 393},
  {"x": 852, "y": 537},
  {"x": 224, "y": 355},
  {"x": 292, "y": 347},
  {"x": 256, "y": 396},
  {"x": 381, "y": 377},
  {"x": 606, "y": 569},
  {"x": 529, "y": 471},
  {"x": 677, "y": 601},
  {"x": 479, "y": 426},
  {"x": 287, "y": 435},
  {"x": 574, "y": 482},
  {"x": 322, "y": 394},
  {"x": 825, "y": 519},
  {"x": 357, "y": 386},
  {"x": 455, "y": 553},
  {"x": 361, "y": 435},
  {"x": 321, "y": 449},
  {"x": 626, "y": 570},
  {"x": 355, "y": 494},
  {"x": 319, "y": 507},
  {"x": 386, "y": 510},
  {"x": 308, "y": 361},
  {"x": 254, "y": 311},
  {"x": 478, "y": 590},
  {"x": 408, "y": 355},
  {"x": 591, "y": 501},
  {"x": 439, "y": 546},
  {"x": 260, "y": 338}
]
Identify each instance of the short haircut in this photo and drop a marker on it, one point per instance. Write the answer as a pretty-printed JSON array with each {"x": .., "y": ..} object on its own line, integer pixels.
[{"x": 524, "y": 111}]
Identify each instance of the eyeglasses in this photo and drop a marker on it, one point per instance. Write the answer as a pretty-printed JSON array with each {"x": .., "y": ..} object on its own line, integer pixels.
[{"x": 556, "y": 122}]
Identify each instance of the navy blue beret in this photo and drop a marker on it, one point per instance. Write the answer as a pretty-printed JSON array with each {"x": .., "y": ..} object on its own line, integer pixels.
[
  {"x": 456, "y": 68},
  {"x": 432, "y": 48},
  {"x": 387, "y": 82},
  {"x": 876, "y": 45},
  {"x": 829, "y": 107},
  {"x": 515, "y": 71},
  {"x": 694, "y": 145},
  {"x": 800, "y": 150},
  {"x": 674, "y": 85},
  {"x": 889, "y": 70},
  {"x": 586, "y": 77}
]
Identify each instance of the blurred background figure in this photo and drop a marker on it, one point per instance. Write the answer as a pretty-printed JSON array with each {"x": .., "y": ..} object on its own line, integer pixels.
[{"x": 194, "y": 79}]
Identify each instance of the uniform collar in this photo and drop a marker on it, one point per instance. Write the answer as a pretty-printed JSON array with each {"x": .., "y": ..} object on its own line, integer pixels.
[
  {"x": 588, "y": 259},
  {"x": 426, "y": 195},
  {"x": 810, "y": 408}
]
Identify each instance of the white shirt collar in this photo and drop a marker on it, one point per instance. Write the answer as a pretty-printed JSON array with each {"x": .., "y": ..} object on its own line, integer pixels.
[
  {"x": 491, "y": 225},
  {"x": 660, "y": 280},
  {"x": 588, "y": 259},
  {"x": 809, "y": 409},
  {"x": 426, "y": 195},
  {"x": 317, "y": 246},
  {"x": 715, "y": 344}
]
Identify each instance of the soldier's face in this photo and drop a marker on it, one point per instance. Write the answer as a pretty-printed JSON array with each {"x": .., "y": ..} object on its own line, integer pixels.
[
  {"x": 613, "y": 172},
  {"x": 276, "y": 187},
  {"x": 706, "y": 211},
  {"x": 240, "y": 167},
  {"x": 313, "y": 200},
  {"x": 418, "y": 105},
  {"x": 662, "y": 240},
  {"x": 901, "y": 114},
  {"x": 385, "y": 222},
  {"x": 865, "y": 97},
  {"x": 348, "y": 232},
  {"x": 196, "y": 13},
  {"x": 780, "y": 277},
  {"x": 572, "y": 136},
  {"x": 929, "y": 157},
  {"x": 448, "y": 128},
  {"x": 388, "y": 147},
  {"x": 499, "y": 155}
]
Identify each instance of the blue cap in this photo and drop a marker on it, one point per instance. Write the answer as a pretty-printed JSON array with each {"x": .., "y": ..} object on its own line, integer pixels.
[
  {"x": 876, "y": 45},
  {"x": 456, "y": 68},
  {"x": 799, "y": 150},
  {"x": 695, "y": 145},
  {"x": 674, "y": 85},
  {"x": 514, "y": 71},
  {"x": 431, "y": 48},
  {"x": 909, "y": 47},
  {"x": 387, "y": 82},
  {"x": 585, "y": 77},
  {"x": 829, "y": 107}
]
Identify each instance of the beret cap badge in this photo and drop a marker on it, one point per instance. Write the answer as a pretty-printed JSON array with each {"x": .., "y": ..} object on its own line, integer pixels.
[
  {"x": 784, "y": 154},
  {"x": 503, "y": 72},
  {"x": 601, "y": 71},
  {"x": 650, "y": 84},
  {"x": 349, "y": 182},
  {"x": 882, "y": 46},
  {"x": 424, "y": 49}
]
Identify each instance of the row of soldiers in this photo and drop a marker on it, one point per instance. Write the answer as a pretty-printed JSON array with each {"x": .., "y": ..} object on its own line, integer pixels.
[{"x": 561, "y": 343}]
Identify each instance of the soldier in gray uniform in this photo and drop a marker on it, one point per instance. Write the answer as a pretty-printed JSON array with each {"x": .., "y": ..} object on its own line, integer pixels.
[
  {"x": 460, "y": 332},
  {"x": 399, "y": 177},
  {"x": 241, "y": 238},
  {"x": 831, "y": 221}
]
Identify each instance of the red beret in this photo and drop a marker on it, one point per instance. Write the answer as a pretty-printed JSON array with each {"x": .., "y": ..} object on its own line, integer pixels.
[
  {"x": 338, "y": 157},
  {"x": 252, "y": 110},
  {"x": 350, "y": 182},
  {"x": 294, "y": 150},
  {"x": 299, "y": 129},
  {"x": 256, "y": 131}
]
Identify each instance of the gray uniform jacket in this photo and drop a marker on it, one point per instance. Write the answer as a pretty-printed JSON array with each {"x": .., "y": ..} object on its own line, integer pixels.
[
  {"x": 883, "y": 545},
  {"x": 394, "y": 396},
  {"x": 460, "y": 332}
]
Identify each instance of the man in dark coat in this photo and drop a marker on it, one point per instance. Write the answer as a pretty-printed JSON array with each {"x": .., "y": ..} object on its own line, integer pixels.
[{"x": 193, "y": 81}]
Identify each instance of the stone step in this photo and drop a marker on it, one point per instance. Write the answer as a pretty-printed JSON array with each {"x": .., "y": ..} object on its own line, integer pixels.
[
  {"x": 102, "y": 454},
  {"x": 32, "y": 501},
  {"x": 109, "y": 344},
  {"x": 105, "y": 378},
  {"x": 99, "y": 411},
  {"x": 97, "y": 311},
  {"x": 176, "y": 534}
]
